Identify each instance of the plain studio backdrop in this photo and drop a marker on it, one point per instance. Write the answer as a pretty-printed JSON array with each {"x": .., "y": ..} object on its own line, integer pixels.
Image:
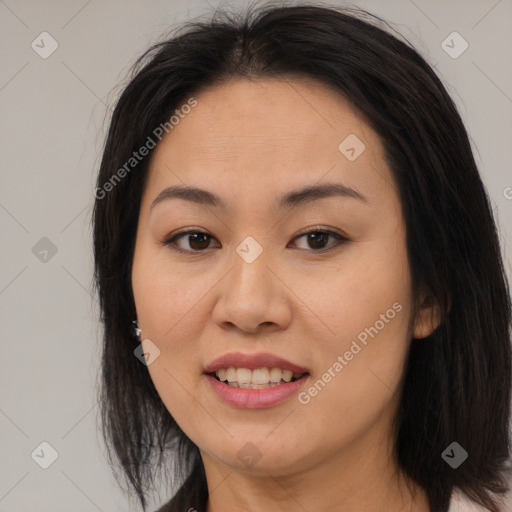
[{"x": 54, "y": 96}]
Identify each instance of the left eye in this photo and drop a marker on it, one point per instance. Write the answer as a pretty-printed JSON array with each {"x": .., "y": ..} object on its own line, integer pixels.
[
  {"x": 199, "y": 240},
  {"x": 318, "y": 238}
]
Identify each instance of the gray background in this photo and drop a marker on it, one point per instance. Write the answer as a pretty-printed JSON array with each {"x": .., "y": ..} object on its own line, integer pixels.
[{"x": 52, "y": 114}]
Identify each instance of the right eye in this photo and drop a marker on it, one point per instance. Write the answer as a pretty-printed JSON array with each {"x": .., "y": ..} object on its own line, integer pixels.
[{"x": 197, "y": 240}]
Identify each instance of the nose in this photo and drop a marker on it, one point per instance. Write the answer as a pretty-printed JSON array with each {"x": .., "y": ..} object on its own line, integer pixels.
[{"x": 253, "y": 298}]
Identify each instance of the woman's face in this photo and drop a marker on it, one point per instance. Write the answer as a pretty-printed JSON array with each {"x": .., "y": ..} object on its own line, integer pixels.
[{"x": 336, "y": 303}]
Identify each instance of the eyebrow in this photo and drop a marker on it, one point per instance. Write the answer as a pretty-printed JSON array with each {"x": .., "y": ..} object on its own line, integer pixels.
[{"x": 290, "y": 199}]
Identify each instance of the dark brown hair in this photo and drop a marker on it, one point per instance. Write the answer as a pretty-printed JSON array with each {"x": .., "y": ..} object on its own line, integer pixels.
[{"x": 458, "y": 380}]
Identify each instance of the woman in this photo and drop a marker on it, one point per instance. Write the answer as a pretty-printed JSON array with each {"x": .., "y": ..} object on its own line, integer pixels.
[{"x": 289, "y": 212}]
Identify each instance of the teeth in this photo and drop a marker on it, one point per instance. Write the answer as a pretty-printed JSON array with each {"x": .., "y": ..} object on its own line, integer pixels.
[
  {"x": 230, "y": 374},
  {"x": 275, "y": 374},
  {"x": 258, "y": 378},
  {"x": 243, "y": 375},
  {"x": 287, "y": 375},
  {"x": 257, "y": 386}
]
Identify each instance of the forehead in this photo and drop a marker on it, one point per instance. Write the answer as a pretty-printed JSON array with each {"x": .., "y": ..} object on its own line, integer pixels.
[{"x": 267, "y": 135}]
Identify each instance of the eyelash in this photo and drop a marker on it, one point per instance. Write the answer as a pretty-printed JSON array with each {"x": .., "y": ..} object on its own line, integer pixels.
[{"x": 171, "y": 242}]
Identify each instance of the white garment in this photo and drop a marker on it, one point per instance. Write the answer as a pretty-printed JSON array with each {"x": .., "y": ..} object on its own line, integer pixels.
[{"x": 459, "y": 503}]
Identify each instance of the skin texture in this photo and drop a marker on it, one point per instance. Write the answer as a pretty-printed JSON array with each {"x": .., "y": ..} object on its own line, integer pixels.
[{"x": 250, "y": 142}]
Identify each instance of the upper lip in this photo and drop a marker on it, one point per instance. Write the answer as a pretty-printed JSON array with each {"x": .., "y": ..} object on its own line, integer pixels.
[{"x": 252, "y": 361}]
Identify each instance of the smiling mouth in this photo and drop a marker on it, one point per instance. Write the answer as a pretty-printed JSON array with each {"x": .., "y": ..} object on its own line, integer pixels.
[{"x": 259, "y": 378}]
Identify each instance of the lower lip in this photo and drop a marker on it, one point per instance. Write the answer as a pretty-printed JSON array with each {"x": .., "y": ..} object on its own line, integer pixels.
[{"x": 255, "y": 398}]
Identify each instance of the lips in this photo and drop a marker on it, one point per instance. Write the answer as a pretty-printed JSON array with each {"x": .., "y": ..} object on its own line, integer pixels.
[
  {"x": 232, "y": 378},
  {"x": 252, "y": 362}
]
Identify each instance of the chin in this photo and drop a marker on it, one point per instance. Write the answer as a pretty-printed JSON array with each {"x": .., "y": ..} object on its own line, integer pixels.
[{"x": 262, "y": 456}]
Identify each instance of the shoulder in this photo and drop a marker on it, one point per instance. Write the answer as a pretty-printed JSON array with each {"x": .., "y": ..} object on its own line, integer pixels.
[{"x": 460, "y": 503}]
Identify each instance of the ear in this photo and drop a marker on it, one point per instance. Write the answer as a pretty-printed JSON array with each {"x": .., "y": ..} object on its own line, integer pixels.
[{"x": 428, "y": 316}]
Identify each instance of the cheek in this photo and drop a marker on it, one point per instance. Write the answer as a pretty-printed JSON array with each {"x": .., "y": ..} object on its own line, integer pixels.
[
  {"x": 165, "y": 296},
  {"x": 167, "y": 305},
  {"x": 347, "y": 296},
  {"x": 366, "y": 305}
]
